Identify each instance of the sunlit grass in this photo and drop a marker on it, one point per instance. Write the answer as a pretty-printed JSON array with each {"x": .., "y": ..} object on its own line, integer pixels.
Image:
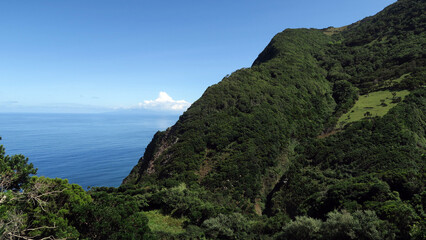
[
  {"x": 372, "y": 105},
  {"x": 164, "y": 223}
]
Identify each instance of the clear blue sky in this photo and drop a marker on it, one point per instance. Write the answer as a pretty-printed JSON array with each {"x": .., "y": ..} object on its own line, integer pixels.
[{"x": 89, "y": 56}]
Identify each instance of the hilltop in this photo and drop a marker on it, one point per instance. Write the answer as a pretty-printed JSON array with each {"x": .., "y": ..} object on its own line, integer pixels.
[{"x": 325, "y": 119}]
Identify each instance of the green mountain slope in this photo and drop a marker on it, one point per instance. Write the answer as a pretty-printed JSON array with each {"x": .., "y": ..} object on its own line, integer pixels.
[
  {"x": 324, "y": 120},
  {"x": 324, "y": 137},
  {"x": 243, "y": 126}
]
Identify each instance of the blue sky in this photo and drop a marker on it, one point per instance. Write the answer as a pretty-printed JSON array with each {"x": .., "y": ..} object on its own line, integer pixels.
[{"x": 99, "y": 55}]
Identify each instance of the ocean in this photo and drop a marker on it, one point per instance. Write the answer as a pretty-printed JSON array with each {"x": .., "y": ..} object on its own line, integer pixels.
[{"x": 87, "y": 149}]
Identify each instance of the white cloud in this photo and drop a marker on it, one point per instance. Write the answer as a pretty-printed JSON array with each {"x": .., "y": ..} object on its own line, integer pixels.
[{"x": 164, "y": 102}]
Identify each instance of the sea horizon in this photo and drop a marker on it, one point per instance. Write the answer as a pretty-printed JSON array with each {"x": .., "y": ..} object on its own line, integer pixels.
[{"x": 89, "y": 149}]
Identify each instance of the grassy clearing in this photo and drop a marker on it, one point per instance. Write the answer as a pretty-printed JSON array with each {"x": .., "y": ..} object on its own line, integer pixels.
[
  {"x": 392, "y": 82},
  {"x": 372, "y": 105},
  {"x": 163, "y": 223},
  {"x": 388, "y": 83},
  {"x": 403, "y": 76}
]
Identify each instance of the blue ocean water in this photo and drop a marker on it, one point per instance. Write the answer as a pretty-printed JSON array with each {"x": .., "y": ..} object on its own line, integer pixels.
[{"x": 87, "y": 149}]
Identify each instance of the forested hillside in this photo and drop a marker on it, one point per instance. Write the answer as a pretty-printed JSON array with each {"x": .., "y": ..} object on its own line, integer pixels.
[{"x": 323, "y": 137}]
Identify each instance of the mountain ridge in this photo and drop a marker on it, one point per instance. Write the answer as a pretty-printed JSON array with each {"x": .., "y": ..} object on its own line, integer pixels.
[{"x": 249, "y": 136}]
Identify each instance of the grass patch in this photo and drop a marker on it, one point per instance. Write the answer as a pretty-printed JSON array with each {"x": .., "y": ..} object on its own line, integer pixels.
[
  {"x": 332, "y": 30},
  {"x": 164, "y": 223},
  {"x": 372, "y": 105},
  {"x": 403, "y": 76},
  {"x": 392, "y": 82}
]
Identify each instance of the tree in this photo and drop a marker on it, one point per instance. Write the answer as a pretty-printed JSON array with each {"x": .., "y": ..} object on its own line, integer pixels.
[
  {"x": 368, "y": 114},
  {"x": 14, "y": 171},
  {"x": 340, "y": 225},
  {"x": 302, "y": 227},
  {"x": 110, "y": 217},
  {"x": 232, "y": 226},
  {"x": 359, "y": 225}
]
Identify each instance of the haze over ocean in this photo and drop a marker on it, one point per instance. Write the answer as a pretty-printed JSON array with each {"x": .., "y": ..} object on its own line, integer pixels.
[{"x": 87, "y": 149}]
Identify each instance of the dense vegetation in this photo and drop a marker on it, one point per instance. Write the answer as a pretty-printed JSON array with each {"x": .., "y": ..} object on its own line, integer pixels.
[
  {"x": 44, "y": 208},
  {"x": 322, "y": 138}
]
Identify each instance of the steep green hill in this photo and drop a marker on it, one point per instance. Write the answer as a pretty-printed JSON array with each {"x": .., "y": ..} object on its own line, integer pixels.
[
  {"x": 242, "y": 127},
  {"x": 323, "y": 137},
  {"x": 278, "y": 138}
]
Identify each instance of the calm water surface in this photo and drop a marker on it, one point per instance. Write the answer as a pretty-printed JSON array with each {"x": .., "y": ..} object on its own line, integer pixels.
[{"x": 87, "y": 149}]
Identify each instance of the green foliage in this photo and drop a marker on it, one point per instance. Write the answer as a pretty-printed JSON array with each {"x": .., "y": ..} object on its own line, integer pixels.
[
  {"x": 231, "y": 226},
  {"x": 264, "y": 141},
  {"x": 375, "y": 104},
  {"x": 180, "y": 201},
  {"x": 49, "y": 203},
  {"x": 360, "y": 225},
  {"x": 370, "y": 163},
  {"x": 14, "y": 171},
  {"x": 302, "y": 228},
  {"x": 234, "y": 138},
  {"x": 240, "y": 126},
  {"x": 401, "y": 214},
  {"x": 379, "y": 48},
  {"x": 165, "y": 224},
  {"x": 192, "y": 232},
  {"x": 52, "y": 208},
  {"x": 338, "y": 226},
  {"x": 111, "y": 216},
  {"x": 42, "y": 209},
  {"x": 345, "y": 95}
]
